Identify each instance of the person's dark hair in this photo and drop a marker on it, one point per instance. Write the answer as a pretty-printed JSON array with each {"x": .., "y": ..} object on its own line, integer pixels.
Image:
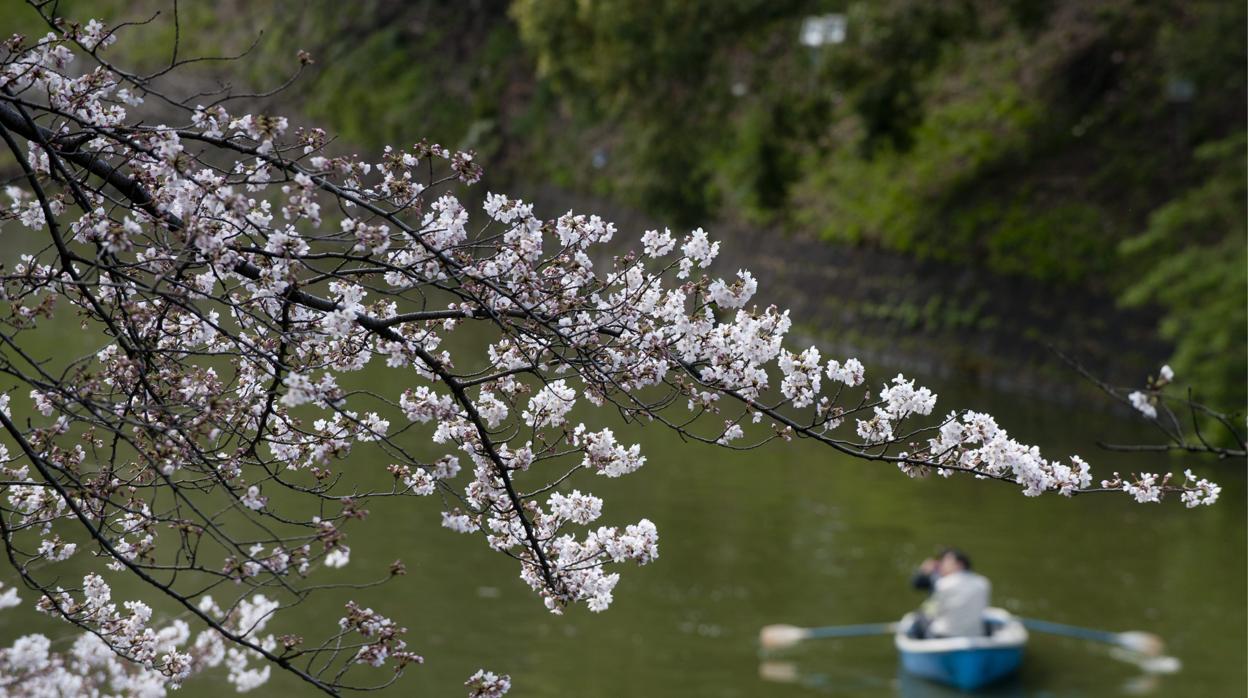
[{"x": 958, "y": 555}]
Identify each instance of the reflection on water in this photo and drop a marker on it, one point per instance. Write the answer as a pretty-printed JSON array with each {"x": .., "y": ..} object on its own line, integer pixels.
[
  {"x": 908, "y": 686},
  {"x": 903, "y": 684}
]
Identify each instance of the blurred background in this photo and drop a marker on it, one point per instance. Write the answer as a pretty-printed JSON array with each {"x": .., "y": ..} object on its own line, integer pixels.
[
  {"x": 946, "y": 187},
  {"x": 988, "y": 176}
]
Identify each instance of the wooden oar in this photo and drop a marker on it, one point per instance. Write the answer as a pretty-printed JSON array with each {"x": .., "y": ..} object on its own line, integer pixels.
[
  {"x": 1134, "y": 640},
  {"x": 775, "y": 637}
]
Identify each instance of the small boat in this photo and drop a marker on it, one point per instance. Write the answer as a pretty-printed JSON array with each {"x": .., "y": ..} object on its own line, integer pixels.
[{"x": 965, "y": 662}]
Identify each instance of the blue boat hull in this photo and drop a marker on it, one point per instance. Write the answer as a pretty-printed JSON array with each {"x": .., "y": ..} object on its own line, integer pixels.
[
  {"x": 966, "y": 669},
  {"x": 966, "y": 663}
]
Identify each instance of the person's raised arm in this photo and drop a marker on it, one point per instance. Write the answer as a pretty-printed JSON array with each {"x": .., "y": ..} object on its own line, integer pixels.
[{"x": 922, "y": 579}]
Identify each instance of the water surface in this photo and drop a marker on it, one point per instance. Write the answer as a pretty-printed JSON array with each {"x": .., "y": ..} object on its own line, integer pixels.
[{"x": 796, "y": 533}]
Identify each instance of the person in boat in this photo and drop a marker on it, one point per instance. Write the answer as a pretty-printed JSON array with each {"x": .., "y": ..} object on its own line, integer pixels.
[{"x": 958, "y": 597}]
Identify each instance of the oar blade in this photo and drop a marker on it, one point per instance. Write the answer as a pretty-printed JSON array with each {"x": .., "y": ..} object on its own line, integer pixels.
[
  {"x": 774, "y": 637},
  {"x": 1142, "y": 642}
]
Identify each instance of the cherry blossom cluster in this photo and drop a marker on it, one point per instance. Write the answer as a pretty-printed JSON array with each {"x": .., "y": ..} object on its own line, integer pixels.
[
  {"x": 382, "y": 637},
  {"x": 239, "y": 276},
  {"x": 1145, "y": 401},
  {"x": 487, "y": 684},
  {"x": 1150, "y": 487},
  {"x": 125, "y": 652}
]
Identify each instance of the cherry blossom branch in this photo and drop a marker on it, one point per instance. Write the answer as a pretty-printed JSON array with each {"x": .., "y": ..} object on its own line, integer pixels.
[{"x": 1158, "y": 406}]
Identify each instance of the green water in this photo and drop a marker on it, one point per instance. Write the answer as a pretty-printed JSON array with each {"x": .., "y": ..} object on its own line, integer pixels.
[
  {"x": 793, "y": 533},
  {"x": 797, "y": 534}
]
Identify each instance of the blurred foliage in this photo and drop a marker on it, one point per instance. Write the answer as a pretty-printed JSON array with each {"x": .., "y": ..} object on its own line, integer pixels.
[
  {"x": 1031, "y": 137},
  {"x": 1192, "y": 260},
  {"x": 1094, "y": 145}
]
